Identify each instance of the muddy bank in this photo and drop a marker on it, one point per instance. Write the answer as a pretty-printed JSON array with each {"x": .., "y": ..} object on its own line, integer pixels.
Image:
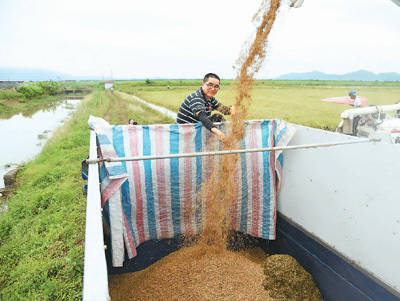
[{"x": 9, "y": 182}]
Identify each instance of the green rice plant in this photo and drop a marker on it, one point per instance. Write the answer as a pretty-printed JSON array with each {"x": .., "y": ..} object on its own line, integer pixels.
[
  {"x": 299, "y": 104},
  {"x": 141, "y": 113}
]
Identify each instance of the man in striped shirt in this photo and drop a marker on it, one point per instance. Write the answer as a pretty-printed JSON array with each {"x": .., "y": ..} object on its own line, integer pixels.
[{"x": 197, "y": 107}]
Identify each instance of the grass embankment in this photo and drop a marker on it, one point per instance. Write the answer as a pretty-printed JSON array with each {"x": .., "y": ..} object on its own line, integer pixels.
[
  {"x": 42, "y": 234},
  {"x": 293, "y": 101}
]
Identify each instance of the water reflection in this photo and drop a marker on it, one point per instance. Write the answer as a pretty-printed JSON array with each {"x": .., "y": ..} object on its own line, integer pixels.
[{"x": 22, "y": 138}]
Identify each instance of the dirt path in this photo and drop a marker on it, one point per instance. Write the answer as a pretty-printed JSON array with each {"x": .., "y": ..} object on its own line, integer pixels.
[
  {"x": 122, "y": 110},
  {"x": 107, "y": 114},
  {"x": 116, "y": 112}
]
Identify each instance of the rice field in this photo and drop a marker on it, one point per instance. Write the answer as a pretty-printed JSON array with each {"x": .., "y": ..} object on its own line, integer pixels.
[{"x": 297, "y": 102}]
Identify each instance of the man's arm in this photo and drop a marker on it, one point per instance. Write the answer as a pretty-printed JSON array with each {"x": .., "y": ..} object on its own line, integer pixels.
[
  {"x": 220, "y": 135},
  {"x": 202, "y": 116}
]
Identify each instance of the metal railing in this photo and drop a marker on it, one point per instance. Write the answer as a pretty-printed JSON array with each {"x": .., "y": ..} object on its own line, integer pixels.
[
  {"x": 229, "y": 152},
  {"x": 95, "y": 278}
]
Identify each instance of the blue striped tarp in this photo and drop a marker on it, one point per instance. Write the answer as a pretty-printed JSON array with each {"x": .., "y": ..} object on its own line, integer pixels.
[{"x": 155, "y": 199}]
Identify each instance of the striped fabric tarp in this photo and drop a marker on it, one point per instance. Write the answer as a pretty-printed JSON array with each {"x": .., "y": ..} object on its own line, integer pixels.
[{"x": 155, "y": 199}]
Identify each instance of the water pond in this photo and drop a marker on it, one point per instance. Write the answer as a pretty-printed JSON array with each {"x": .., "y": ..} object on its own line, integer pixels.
[{"x": 22, "y": 138}]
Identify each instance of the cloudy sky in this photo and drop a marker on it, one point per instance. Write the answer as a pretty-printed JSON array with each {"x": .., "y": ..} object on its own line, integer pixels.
[{"x": 187, "y": 38}]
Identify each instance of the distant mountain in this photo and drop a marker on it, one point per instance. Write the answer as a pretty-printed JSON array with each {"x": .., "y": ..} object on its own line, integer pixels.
[
  {"x": 361, "y": 75},
  {"x": 31, "y": 74},
  {"x": 35, "y": 74}
]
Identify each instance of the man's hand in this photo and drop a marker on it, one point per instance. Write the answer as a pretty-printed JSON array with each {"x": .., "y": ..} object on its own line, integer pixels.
[
  {"x": 233, "y": 110},
  {"x": 221, "y": 136}
]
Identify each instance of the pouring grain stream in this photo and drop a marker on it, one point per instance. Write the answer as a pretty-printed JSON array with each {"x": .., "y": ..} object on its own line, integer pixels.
[
  {"x": 195, "y": 272},
  {"x": 219, "y": 193}
]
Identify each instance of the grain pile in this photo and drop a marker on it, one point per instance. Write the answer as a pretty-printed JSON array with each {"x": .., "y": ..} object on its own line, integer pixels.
[
  {"x": 188, "y": 275},
  {"x": 285, "y": 279}
]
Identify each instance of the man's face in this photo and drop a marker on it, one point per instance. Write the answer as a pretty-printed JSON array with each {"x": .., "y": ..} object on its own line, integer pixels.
[
  {"x": 352, "y": 96},
  {"x": 210, "y": 87}
]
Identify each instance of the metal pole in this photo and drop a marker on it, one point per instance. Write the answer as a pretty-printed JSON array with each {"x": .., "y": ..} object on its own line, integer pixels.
[
  {"x": 95, "y": 279},
  {"x": 229, "y": 152}
]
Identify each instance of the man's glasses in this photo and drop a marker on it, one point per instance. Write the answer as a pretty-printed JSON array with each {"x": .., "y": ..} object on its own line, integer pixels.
[{"x": 211, "y": 86}]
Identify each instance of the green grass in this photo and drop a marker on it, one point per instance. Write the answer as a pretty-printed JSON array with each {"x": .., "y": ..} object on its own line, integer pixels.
[
  {"x": 42, "y": 234},
  {"x": 41, "y": 249},
  {"x": 293, "y": 103}
]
